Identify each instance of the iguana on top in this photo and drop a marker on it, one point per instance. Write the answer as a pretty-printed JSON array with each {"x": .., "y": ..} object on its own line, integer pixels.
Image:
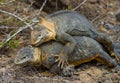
[
  {"x": 62, "y": 26},
  {"x": 86, "y": 50}
]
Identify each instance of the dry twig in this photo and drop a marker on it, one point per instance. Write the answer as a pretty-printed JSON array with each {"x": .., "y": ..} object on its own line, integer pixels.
[
  {"x": 95, "y": 18},
  {"x": 20, "y": 29},
  {"x": 79, "y": 5},
  {"x": 21, "y": 19},
  {"x": 42, "y": 7},
  {"x": 16, "y": 17},
  {"x": 7, "y": 2}
]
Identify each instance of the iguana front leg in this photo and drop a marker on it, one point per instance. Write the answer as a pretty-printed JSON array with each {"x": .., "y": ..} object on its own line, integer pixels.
[{"x": 70, "y": 44}]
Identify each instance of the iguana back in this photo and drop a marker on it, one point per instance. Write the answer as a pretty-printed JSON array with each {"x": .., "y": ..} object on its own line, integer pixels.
[{"x": 72, "y": 22}]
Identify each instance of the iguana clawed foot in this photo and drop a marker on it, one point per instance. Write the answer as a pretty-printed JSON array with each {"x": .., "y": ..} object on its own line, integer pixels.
[
  {"x": 62, "y": 60},
  {"x": 116, "y": 55}
]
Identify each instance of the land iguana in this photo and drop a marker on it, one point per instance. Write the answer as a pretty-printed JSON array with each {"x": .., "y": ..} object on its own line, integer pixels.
[
  {"x": 62, "y": 26},
  {"x": 86, "y": 50}
]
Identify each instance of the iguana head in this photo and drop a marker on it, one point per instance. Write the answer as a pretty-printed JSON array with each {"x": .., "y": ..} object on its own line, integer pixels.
[
  {"x": 39, "y": 35},
  {"x": 27, "y": 55},
  {"x": 43, "y": 32}
]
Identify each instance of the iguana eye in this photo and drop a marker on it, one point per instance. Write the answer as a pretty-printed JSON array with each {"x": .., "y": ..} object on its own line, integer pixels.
[
  {"x": 23, "y": 57},
  {"x": 39, "y": 35}
]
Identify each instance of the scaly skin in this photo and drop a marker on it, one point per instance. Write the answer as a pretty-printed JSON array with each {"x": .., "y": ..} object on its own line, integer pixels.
[
  {"x": 86, "y": 50},
  {"x": 62, "y": 26}
]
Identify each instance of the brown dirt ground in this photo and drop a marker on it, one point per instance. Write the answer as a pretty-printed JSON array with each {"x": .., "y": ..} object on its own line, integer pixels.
[{"x": 100, "y": 14}]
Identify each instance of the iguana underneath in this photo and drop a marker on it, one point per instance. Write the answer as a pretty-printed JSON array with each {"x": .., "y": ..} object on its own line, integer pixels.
[
  {"x": 86, "y": 50},
  {"x": 62, "y": 26}
]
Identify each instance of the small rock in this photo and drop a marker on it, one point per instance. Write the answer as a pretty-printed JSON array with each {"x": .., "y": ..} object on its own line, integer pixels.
[
  {"x": 118, "y": 17},
  {"x": 111, "y": 27}
]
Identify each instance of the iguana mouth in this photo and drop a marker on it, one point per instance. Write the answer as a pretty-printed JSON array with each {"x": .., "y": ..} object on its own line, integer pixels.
[
  {"x": 17, "y": 62},
  {"x": 37, "y": 42},
  {"x": 45, "y": 37},
  {"x": 39, "y": 38}
]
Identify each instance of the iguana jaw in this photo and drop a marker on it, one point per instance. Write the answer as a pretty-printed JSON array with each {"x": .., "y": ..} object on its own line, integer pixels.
[
  {"x": 36, "y": 42},
  {"x": 47, "y": 37},
  {"x": 19, "y": 62}
]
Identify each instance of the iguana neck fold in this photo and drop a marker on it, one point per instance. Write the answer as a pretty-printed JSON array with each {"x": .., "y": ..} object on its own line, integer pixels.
[
  {"x": 39, "y": 56},
  {"x": 50, "y": 26}
]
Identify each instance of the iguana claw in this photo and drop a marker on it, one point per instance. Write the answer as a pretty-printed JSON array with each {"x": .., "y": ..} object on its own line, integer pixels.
[
  {"x": 116, "y": 55},
  {"x": 62, "y": 61}
]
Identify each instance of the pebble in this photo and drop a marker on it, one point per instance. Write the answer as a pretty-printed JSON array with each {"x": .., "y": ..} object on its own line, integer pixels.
[{"x": 118, "y": 17}]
